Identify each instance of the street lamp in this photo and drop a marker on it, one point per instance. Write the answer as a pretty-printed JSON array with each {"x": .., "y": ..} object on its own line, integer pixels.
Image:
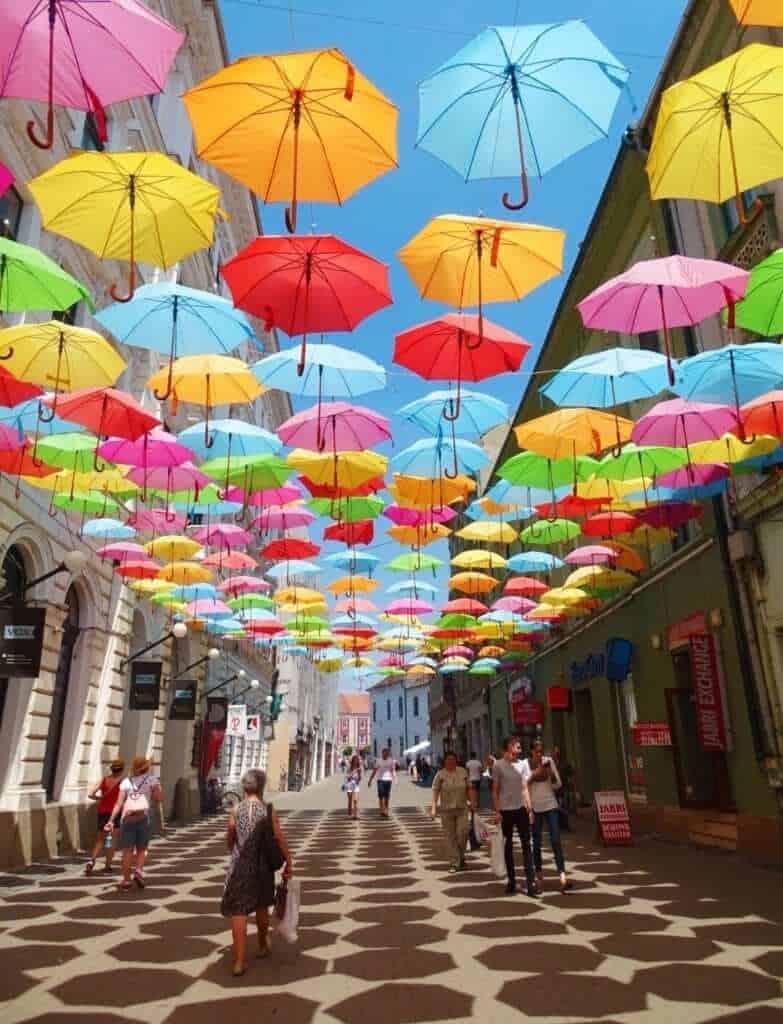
[
  {"x": 237, "y": 675},
  {"x": 211, "y": 654},
  {"x": 73, "y": 561},
  {"x": 178, "y": 632},
  {"x": 254, "y": 685}
]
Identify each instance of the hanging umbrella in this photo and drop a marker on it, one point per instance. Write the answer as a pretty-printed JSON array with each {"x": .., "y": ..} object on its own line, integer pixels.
[
  {"x": 503, "y": 493},
  {"x": 409, "y": 606},
  {"x": 477, "y": 413},
  {"x": 169, "y": 479},
  {"x": 185, "y": 573},
  {"x": 328, "y": 370},
  {"x": 107, "y": 529},
  {"x": 128, "y": 206},
  {"x": 614, "y": 376},
  {"x": 233, "y": 561},
  {"x": 694, "y": 475},
  {"x": 308, "y": 284},
  {"x": 534, "y": 561},
  {"x": 488, "y": 533},
  {"x": 413, "y": 562},
  {"x": 464, "y": 606},
  {"x": 95, "y": 56},
  {"x": 229, "y": 438},
  {"x": 172, "y": 548},
  {"x": 469, "y": 261},
  {"x": 360, "y": 532},
  {"x": 289, "y": 548},
  {"x": 342, "y": 469},
  {"x": 154, "y": 449},
  {"x": 422, "y": 493},
  {"x": 171, "y": 319},
  {"x": 731, "y": 375},
  {"x": 414, "y": 517},
  {"x": 154, "y": 519},
  {"x": 677, "y": 424},
  {"x": 138, "y": 570},
  {"x": 525, "y": 586},
  {"x": 590, "y": 555},
  {"x": 458, "y": 347},
  {"x": 625, "y": 556},
  {"x": 485, "y": 508},
  {"x": 670, "y": 515},
  {"x": 488, "y": 111},
  {"x": 758, "y": 12},
  {"x": 419, "y": 536},
  {"x": 364, "y": 490},
  {"x": 610, "y": 524},
  {"x": 412, "y": 587},
  {"x": 348, "y": 510},
  {"x": 476, "y": 558},
  {"x": 532, "y": 470},
  {"x": 596, "y": 577},
  {"x": 282, "y": 518},
  {"x": 429, "y": 457},
  {"x": 567, "y": 433},
  {"x": 244, "y": 585},
  {"x": 550, "y": 532},
  {"x": 15, "y": 392},
  {"x": 29, "y": 280},
  {"x": 223, "y": 535},
  {"x": 104, "y": 411},
  {"x": 296, "y": 126},
  {"x": 250, "y": 473},
  {"x": 761, "y": 311},
  {"x": 352, "y": 585},
  {"x": 573, "y": 506},
  {"x": 633, "y": 461},
  {"x": 68, "y": 451},
  {"x": 764, "y": 415},
  {"x": 472, "y": 582},
  {"x": 336, "y": 426},
  {"x": 730, "y": 449},
  {"x": 354, "y": 561},
  {"x": 513, "y": 603},
  {"x": 725, "y": 122}
]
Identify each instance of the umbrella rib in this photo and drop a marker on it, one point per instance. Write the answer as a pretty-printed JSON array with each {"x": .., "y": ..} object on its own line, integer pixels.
[
  {"x": 34, "y": 12},
  {"x": 314, "y": 128},
  {"x": 328, "y": 112},
  {"x": 473, "y": 91}
]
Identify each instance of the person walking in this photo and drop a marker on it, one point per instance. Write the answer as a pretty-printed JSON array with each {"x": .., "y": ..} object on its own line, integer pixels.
[
  {"x": 513, "y": 810},
  {"x": 451, "y": 798},
  {"x": 543, "y": 785},
  {"x": 105, "y": 792},
  {"x": 474, "y": 768},
  {"x": 250, "y": 885},
  {"x": 352, "y": 786},
  {"x": 386, "y": 770},
  {"x": 132, "y": 809}
]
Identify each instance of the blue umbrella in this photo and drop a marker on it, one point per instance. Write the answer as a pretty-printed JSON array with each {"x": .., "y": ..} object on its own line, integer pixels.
[
  {"x": 731, "y": 375},
  {"x": 353, "y": 560},
  {"x": 178, "y": 320},
  {"x": 758, "y": 463},
  {"x": 491, "y": 110},
  {"x": 230, "y": 437},
  {"x": 533, "y": 561},
  {"x": 475, "y": 510},
  {"x": 505, "y": 493},
  {"x": 293, "y": 567},
  {"x": 362, "y": 621},
  {"x": 428, "y": 457},
  {"x": 330, "y": 371},
  {"x": 107, "y": 529},
  {"x": 477, "y": 413},
  {"x": 195, "y": 592},
  {"x": 412, "y": 587},
  {"x": 612, "y": 377},
  {"x": 222, "y": 626},
  {"x": 23, "y": 418},
  {"x": 208, "y": 508}
]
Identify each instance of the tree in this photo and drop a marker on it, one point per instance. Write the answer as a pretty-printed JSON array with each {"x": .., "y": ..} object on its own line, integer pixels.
[{"x": 347, "y": 751}]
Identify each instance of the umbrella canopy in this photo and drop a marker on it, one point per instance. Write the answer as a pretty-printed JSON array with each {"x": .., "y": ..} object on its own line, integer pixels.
[
  {"x": 551, "y": 532},
  {"x": 15, "y": 392},
  {"x": 128, "y": 206},
  {"x": 677, "y": 423},
  {"x": 764, "y": 415},
  {"x": 634, "y": 461},
  {"x": 761, "y": 310},
  {"x": 476, "y": 558},
  {"x": 569, "y": 432},
  {"x": 477, "y": 414},
  {"x": 730, "y": 449},
  {"x": 422, "y": 493},
  {"x": 731, "y": 375},
  {"x": 335, "y": 426},
  {"x": 328, "y": 370},
  {"x": 360, "y": 532},
  {"x": 464, "y": 606},
  {"x": 431, "y": 458},
  {"x": 104, "y": 411},
  {"x": 488, "y": 111},
  {"x": 472, "y": 582},
  {"x": 534, "y": 561},
  {"x": 609, "y": 524},
  {"x": 223, "y": 535},
  {"x": 282, "y": 518},
  {"x": 348, "y": 510},
  {"x": 29, "y": 280},
  {"x": 227, "y": 438},
  {"x": 614, "y": 376},
  {"x": 244, "y": 585},
  {"x": 172, "y": 549},
  {"x": 107, "y": 529},
  {"x": 704, "y": 122},
  {"x": 486, "y": 532},
  {"x": 670, "y": 515},
  {"x": 758, "y": 12},
  {"x": 343, "y": 469},
  {"x": 185, "y": 573},
  {"x": 419, "y": 536},
  {"x": 156, "y": 448},
  {"x": 591, "y": 554},
  {"x": 533, "y": 470},
  {"x": 301, "y": 126},
  {"x": 415, "y": 517},
  {"x": 59, "y": 356},
  {"x": 289, "y": 548},
  {"x": 68, "y": 451},
  {"x": 154, "y": 519}
]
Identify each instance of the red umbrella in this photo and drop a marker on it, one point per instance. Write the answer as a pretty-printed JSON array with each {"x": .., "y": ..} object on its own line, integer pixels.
[
  {"x": 138, "y": 570},
  {"x": 18, "y": 462},
  {"x": 284, "y": 550},
  {"x": 13, "y": 391},
  {"x": 361, "y": 532},
  {"x": 609, "y": 524},
  {"x": 571, "y": 507},
  {"x": 670, "y": 514},
  {"x": 452, "y": 349},
  {"x": 525, "y": 586},
  {"x": 328, "y": 491},
  {"x": 464, "y": 606},
  {"x": 306, "y": 284}
]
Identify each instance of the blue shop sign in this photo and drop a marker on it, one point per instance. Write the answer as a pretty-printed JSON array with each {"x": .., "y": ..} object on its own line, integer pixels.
[{"x": 614, "y": 662}]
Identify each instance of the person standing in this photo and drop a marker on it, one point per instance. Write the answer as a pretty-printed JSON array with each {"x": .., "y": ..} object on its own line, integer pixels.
[
  {"x": 543, "y": 785},
  {"x": 474, "y": 768},
  {"x": 132, "y": 809},
  {"x": 386, "y": 770},
  {"x": 250, "y": 885},
  {"x": 105, "y": 792},
  {"x": 451, "y": 797},
  {"x": 513, "y": 810},
  {"x": 352, "y": 785}
]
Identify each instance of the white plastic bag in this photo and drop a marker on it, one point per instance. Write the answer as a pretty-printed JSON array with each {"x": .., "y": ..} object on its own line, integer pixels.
[
  {"x": 481, "y": 830},
  {"x": 497, "y": 859},
  {"x": 286, "y": 926}
]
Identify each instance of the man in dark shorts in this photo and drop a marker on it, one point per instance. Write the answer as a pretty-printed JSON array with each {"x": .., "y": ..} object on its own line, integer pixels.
[{"x": 386, "y": 770}]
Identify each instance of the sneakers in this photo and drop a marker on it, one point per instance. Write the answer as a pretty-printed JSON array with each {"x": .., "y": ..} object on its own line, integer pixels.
[
  {"x": 138, "y": 877},
  {"x": 89, "y": 867}
]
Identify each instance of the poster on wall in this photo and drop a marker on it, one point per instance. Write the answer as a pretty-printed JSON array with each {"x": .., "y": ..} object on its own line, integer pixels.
[
  {"x": 253, "y": 727},
  {"x": 708, "y": 694},
  {"x": 21, "y": 641},
  {"x": 183, "y": 704},
  {"x": 651, "y": 734},
  {"x": 236, "y": 724},
  {"x": 145, "y": 685},
  {"x": 614, "y": 822}
]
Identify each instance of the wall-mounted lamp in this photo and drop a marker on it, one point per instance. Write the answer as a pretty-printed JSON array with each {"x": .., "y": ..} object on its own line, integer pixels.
[
  {"x": 656, "y": 641},
  {"x": 716, "y": 618},
  {"x": 179, "y": 632},
  {"x": 224, "y": 682},
  {"x": 211, "y": 654},
  {"x": 73, "y": 561},
  {"x": 254, "y": 685}
]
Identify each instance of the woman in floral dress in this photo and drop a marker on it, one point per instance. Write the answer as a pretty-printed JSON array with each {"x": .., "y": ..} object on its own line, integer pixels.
[{"x": 250, "y": 888}]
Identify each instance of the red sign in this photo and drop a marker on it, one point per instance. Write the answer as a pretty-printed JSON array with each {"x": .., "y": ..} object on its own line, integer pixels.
[
  {"x": 614, "y": 821},
  {"x": 526, "y": 712},
  {"x": 652, "y": 734},
  {"x": 710, "y": 720},
  {"x": 559, "y": 698},
  {"x": 681, "y": 632}
]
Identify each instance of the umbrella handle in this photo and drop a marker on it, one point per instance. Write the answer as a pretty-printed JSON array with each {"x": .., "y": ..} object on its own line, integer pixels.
[
  {"x": 455, "y": 406},
  {"x": 748, "y": 216},
  {"x": 290, "y": 217},
  {"x": 169, "y": 516},
  {"x": 52, "y": 509},
  {"x": 132, "y": 271},
  {"x": 48, "y": 141},
  {"x": 169, "y": 383},
  {"x": 9, "y": 354},
  {"x": 99, "y": 468},
  {"x": 506, "y": 199},
  {"x": 509, "y": 205},
  {"x": 300, "y": 366},
  {"x": 44, "y": 417},
  {"x": 131, "y": 286}
]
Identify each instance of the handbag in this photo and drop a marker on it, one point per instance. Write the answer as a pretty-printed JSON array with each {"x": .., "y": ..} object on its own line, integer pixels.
[
  {"x": 136, "y": 804},
  {"x": 269, "y": 852}
]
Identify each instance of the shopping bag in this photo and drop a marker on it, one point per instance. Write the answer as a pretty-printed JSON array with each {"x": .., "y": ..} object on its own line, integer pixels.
[
  {"x": 286, "y": 923},
  {"x": 473, "y": 837},
  {"x": 481, "y": 830},
  {"x": 497, "y": 859}
]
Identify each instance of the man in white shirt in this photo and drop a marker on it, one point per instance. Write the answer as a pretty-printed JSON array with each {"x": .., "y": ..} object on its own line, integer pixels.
[
  {"x": 386, "y": 770},
  {"x": 474, "y": 768},
  {"x": 513, "y": 810}
]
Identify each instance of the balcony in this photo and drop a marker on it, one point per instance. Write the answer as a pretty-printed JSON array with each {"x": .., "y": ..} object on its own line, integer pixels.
[{"x": 750, "y": 243}]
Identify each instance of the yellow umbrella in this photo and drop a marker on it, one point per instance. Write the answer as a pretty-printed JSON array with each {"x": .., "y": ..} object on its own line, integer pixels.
[
  {"x": 598, "y": 577},
  {"x": 489, "y": 532},
  {"x": 758, "y": 12},
  {"x": 472, "y": 582},
  {"x": 468, "y": 261},
  {"x": 419, "y": 536},
  {"x": 720, "y": 132},
  {"x": 421, "y": 670},
  {"x": 343, "y": 469},
  {"x": 491, "y": 651},
  {"x": 352, "y": 584},
  {"x": 493, "y": 631},
  {"x": 150, "y": 586},
  {"x": 609, "y": 490},
  {"x": 311, "y": 607},
  {"x": 565, "y": 595},
  {"x": 184, "y": 573},
  {"x": 128, "y": 206},
  {"x": 59, "y": 357},
  {"x": 545, "y": 611},
  {"x": 478, "y": 559},
  {"x": 296, "y": 595},
  {"x": 730, "y": 449},
  {"x": 492, "y": 508},
  {"x": 173, "y": 549},
  {"x": 566, "y": 433},
  {"x": 419, "y": 492},
  {"x": 303, "y": 125},
  {"x": 650, "y": 536}
]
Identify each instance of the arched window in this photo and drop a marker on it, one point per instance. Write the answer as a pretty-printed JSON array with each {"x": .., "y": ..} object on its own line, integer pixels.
[
  {"x": 70, "y": 634},
  {"x": 15, "y": 576}
]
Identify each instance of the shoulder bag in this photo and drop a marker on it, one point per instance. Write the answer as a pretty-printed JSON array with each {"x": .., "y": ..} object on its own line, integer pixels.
[{"x": 269, "y": 853}]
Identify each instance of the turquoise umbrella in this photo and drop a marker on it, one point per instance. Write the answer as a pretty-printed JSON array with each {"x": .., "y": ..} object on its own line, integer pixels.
[
  {"x": 477, "y": 413},
  {"x": 614, "y": 376},
  {"x": 330, "y": 371}
]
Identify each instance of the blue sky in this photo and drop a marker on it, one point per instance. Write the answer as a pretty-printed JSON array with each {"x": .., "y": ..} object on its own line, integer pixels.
[{"x": 396, "y": 46}]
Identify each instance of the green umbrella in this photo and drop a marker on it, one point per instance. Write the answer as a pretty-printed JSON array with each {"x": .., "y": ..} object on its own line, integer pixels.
[
  {"x": 527, "y": 469},
  {"x": 454, "y": 620},
  {"x": 551, "y": 532},
  {"x": 481, "y": 670},
  {"x": 250, "y": 472},
  {"x": 640, "y": 461},
  {"x": 86, "y": 502},
  {"x": 29, "y": 280},
  {"x": 348, "y": 510},
  {"x": 68, "y": 451},
  {"x": 761, "y": 310},
  {"x": 413, "y": 562},
  {"x": 250, "y": 601},
  {"x": 307, "y": 624}
]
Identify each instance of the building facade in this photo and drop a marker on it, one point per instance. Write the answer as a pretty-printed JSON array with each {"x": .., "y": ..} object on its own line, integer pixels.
[
  {"x": 701, "y": 623},
  {"x": 353, "y": 722},
  {"x": 399, "y": 715}
]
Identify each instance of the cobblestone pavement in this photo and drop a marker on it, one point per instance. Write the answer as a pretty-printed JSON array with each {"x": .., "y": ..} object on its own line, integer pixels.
[{"x": 650, "y": 934}]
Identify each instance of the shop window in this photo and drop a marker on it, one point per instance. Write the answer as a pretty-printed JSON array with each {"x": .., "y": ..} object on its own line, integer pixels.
[
  {"x": 416, "y": 708},
  {"x": 11, "y": 207},
  {"x": 399, "y": 707}
]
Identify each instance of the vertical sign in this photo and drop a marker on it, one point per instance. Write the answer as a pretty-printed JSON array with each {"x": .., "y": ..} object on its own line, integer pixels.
[
  {"x": 145, "y": 685},
  {"x": 183, "y": 704},
  {"x": 710, "y": 717},
  {"x": 21, "y": 641},
  {"x": 253, "y": 727},
  {"x": 237, "y": 720},
  {"x": 217, "y": 713},
  {"x": 614, "y": 822}
]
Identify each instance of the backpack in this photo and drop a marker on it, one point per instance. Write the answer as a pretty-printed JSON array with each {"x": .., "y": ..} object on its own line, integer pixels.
[{"x": 136, "y": 804}]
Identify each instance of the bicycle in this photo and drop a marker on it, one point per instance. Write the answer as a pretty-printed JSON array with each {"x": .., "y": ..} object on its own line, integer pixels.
[{"x": 230, "y": 800}]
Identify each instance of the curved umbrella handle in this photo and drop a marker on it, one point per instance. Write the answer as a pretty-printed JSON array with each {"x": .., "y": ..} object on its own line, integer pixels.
[
  {"x": 290, "y": 217},
  {"x": 300, "y": 366},
  {"x": 454, "y": 405},
  {"x": 46, "y": 417},
  {"x": 748, "y": 216},
  {"x": 99, "y": 468},
  {"x": 132, "y": 271},
  {"x": 506, "y": 199},
  {"x": 48, "y": 141},
  {"x": 169, "y": 383},
  {"x": 169, "y": 515},
  {"x": 8, "y": 355},
  {"x": 131, "y": 287}
]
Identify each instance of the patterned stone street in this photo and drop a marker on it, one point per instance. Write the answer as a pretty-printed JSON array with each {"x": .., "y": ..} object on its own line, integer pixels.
[{"x": 649, "y": 934}]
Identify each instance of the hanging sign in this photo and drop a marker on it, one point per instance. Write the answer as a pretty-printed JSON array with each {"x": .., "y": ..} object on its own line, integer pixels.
[
  {"x": 680, "y": 633},
  {"x": 614, "y": 822},
  {"x": 217, "y": 713},
  {"x": 558, "y": 698},
  {"x": 237, "y": 720},
  {"x": 183, "y": 704},
  {"x": 253, "y": 727},
  {"x": 652, "y": 734},
  {"x": 21, "y": 641},
  {"x": 145, "y": 685},
  {"x": 527, "y": 712},
  {"x": 708, "y": 698}
]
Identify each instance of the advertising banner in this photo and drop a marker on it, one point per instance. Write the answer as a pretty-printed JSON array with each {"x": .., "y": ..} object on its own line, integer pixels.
[
  {"x": 253, "y": 727},
  {"x": 614, "y": 822},
  {"x": 237, "y": 720},
  {"x": 145, "y": 685},
  {"x": 710, "y": 717},
  {"x": 21, "y": 641},
  {"x": 183, "y": 704},
  {"x": 652, "y": 734}
]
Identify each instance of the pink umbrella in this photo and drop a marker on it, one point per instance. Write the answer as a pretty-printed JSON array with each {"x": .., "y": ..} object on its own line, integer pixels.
[
  {"x": 693, "y": 475},
  {"x": 170, "y": 479},
  {"x": 234, "y": 560},
  {"x": 409, "y": 606},
  {"x": 223, "y": 535},
  {"x": 83, "y": 55},
  {"x": 678, "y": 423},
  {"x": 122, "y": 550},
  {"x": 10, "y": 441},
  {"x": 412, "y": 517},
  {"x": 154, "y": 450},
  {"x": 670, "y": 514},
  {"x": 590, "y": 554},
  {"x": 282, "y": 495},
  {"x": 654, "y": 295},
  {"x": 154, "y": 519},
  {"x": 244, "y": 585},
  {"x": 281, "y": 517},
  {"x": 338, "y": 426},
  {"x": 352, "y": 605},
  {"x": 392, "y": 661},
  {"x": 458, "y": 650},
  {"x": 208, "y": 608},
  {"x": 518, "y": 605}
]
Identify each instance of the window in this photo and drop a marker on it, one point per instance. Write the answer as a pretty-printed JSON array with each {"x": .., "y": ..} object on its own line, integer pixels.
[
  {"x": 374, "y": 748},
  {"x": 402, "y": 746},
  {"x": 11, "y": 207},
  {"x": 416, "y": 709},
  {"x": 729, "y": 208},
  {"x": 399, "y": 707},
  {"x": 388, "y": 743},
  {"x": 70, "y": 635},
  {"x": 416, "y": 741},
  {"x": 388, "y": 711},
  {"x": 90, "y": 135}
]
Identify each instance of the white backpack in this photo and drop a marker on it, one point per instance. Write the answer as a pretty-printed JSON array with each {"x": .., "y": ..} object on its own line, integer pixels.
[{"x": 136, "y": 804}]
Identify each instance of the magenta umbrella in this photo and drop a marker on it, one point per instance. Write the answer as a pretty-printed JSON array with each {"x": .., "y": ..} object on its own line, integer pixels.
[
  {"x": 338, "y": 426},
  {"x": 244, "y": 585},
  {"x": 223, "y": 535},
  {"x": 409, "y": 606},
  {"x": 83, "y": 55},
  {"x": 208, "y": 608},
  {"x": 283, "y": 495},
  {"x": 392, "y": 661},
  {"x": 590, "y": 554},
  {"x": 458, "y": 650},
  {"x": 670, "y": 514},
  {"x": 170, "y": 479},
  {"x": 693, "y": 475},
  {"x": 655, "y": 295},
  {"x": 281, "y": 517},
  {"x": 518, "y": 605},
  {"x": 678, "y": 423},
  {"x": 352, "y": 605},
  {"x": 412, "y": 517},
  {"x": 123, "y": 549},
  {"x": 154, "y": 450},
  {"x": 147, "y": 520}
]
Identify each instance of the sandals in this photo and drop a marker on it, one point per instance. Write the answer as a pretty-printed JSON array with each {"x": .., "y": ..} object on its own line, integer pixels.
[
  {"x": 265, "y": 950},
  {"x": 238, "y": 970},
  {"x": 138, "y": 877}
]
